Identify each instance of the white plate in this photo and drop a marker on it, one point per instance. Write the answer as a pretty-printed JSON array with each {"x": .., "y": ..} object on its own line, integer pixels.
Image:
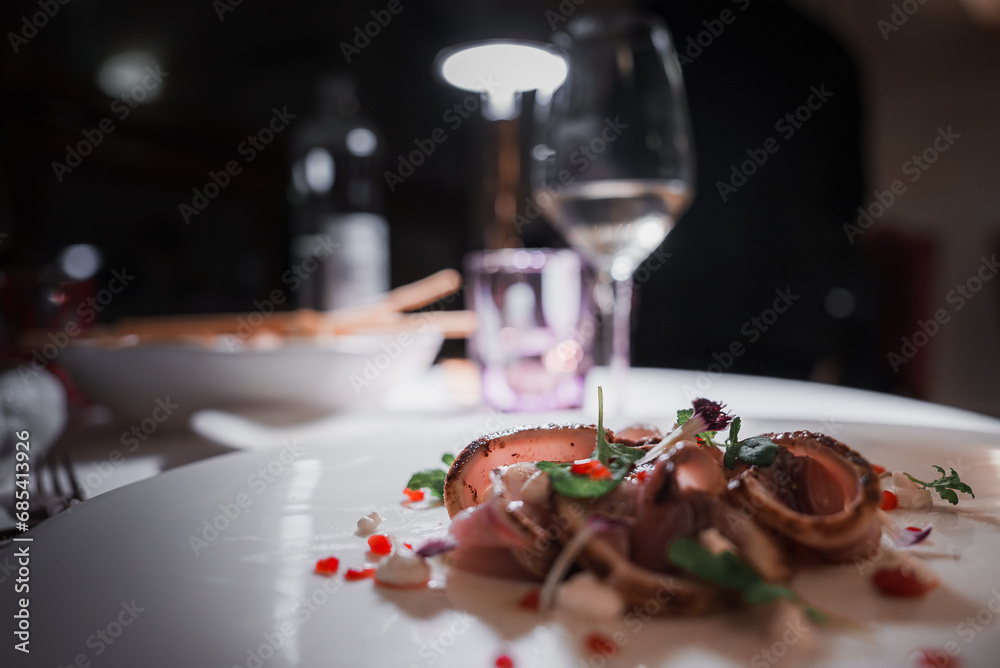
[
  {"x": 248, "y": 597},
  {"x": 345, "y": 372}
]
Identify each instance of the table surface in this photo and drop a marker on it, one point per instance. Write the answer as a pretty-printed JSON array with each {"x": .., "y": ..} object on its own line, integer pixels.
[
  {"x": 106, "y": 457},
  {"x": 135, "y": 544}
]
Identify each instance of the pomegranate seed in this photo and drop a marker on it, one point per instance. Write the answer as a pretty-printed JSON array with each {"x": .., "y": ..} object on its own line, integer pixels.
[
  {"x": 889, "y": 500},
  {"x": 363, "y": 573},
  {"x": 591, "y": 467},
  {"x": 504, "y": 661},
  {"x": 914, "y": 529},
  {"x": 642, "y": 476},
  {"x": 530, "y": 600},
  {"x": 901, "y": 582},
  {"x": 414, "y": 494},
  {"x": 379, "y": 544},
  {"x": 598, "y": 644},
  {"x": 327, "y": 566}
]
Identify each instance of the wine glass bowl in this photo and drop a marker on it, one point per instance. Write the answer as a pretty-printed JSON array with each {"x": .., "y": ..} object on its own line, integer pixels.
[{"x": 613, "y": 164}]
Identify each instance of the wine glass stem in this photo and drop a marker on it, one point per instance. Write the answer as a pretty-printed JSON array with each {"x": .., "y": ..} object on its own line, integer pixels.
[{"x": 620, "y": 334}]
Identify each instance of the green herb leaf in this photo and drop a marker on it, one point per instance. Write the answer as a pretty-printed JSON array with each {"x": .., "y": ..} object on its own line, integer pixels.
[
  {"x": 946, "y": 485},
  {"x": 448, "y": 459},
  {"x": 569, "y": 484},
  {"x": 432, "y": 479},
  {"x": 728, "y": 570},
  {"x": 618, "y": 459},
  {"x": 732, "y": 445},
  {"x": 753, "y": 451},
  {"x": 684, "y": 415},
  {"x": 758, "y": 451}
]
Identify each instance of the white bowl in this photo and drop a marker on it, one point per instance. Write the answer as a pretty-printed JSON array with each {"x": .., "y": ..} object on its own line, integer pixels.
[{"x": 333, "y": 374}]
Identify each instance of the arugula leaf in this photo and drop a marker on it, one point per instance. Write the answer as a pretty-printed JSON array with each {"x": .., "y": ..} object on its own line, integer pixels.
[
  {"x": 618, "y": 459},
  {"x": 945, "y": 486},
  {"x": 754, "y": 451},
  {"x": 728, "y": 570},
  {"x": 432, "y": 479}
]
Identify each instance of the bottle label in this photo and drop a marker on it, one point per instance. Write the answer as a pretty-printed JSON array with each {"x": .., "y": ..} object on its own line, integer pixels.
[{"x": 352, "y": 258}]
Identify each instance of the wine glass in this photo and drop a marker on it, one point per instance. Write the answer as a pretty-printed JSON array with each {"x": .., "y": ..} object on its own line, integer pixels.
[{"x": 612, "y": 165}]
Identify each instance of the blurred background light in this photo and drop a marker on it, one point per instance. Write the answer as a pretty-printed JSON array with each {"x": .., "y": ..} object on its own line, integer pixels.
[
  {"x": 501, "y": 69},
  {"x": 361, "y": 142},
  {"x": 80, "y": 261},
  {"x": 123, "y": 73},
  {"x": 319, "y": 170}
]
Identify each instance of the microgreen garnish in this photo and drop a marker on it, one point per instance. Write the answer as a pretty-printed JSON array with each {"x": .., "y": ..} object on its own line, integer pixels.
[
  {"x": 728, "y": 570},
  {"x": 753, "y": 451},
  {"x": 946, "y": 485},
  {"x": 432, "y": 479},
  {"x": 608, "y": 465}
]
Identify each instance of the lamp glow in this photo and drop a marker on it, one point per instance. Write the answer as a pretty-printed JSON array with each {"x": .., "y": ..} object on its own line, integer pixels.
[{"x": 501, "y": 69}]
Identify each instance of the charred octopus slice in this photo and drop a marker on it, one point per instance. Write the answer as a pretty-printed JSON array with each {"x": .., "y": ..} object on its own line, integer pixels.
[{"x": 819, "y": 493}]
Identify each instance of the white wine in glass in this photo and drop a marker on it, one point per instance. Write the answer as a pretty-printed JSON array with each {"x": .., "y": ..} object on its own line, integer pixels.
[{"x": 613, "y": 161}]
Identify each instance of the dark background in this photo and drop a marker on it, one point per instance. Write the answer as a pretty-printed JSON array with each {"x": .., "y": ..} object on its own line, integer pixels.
[{"x": 781, "y": 231}]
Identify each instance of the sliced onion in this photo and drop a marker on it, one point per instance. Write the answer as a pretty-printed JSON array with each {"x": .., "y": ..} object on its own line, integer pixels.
[{"x": 436, "y": 546}]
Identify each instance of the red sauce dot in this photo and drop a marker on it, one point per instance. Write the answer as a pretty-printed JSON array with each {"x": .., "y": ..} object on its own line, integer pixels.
[
  {"x": 379, "y": 544},
  {"x": 530, "y": 600},
  {"x": 878, "y": 469},
  {"x": 599, "y": 644},
  {"x": 934, "y": 658},
  {"x": 901, "y": 582},
  {"x": 504, "y": 661},
  {"x": 327, "y": 566},
  {"x": 889, "y": 500},
  {"x": 363, "y": 573}
]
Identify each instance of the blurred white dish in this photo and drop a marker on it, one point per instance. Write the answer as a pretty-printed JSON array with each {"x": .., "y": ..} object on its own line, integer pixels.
[{"x": 162, "y": 381}]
